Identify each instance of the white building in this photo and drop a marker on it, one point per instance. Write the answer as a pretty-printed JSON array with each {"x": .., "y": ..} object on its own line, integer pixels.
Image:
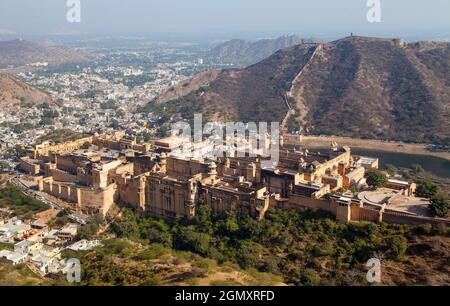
[{"x": 13, "y": 257}]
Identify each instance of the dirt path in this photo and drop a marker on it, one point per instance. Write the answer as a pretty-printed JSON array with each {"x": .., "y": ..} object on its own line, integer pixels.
[{"x": 378, "y": 145}]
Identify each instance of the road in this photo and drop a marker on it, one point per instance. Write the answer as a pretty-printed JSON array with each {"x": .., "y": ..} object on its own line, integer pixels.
[{"x": 32, "y": 193}]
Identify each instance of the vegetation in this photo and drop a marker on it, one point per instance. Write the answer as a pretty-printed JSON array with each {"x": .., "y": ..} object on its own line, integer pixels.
[
  {"x": 110, "y": 104},
  {"x": 124, "y": 262},
  {"x": 439, "y": 207},
  {"x": 89, "y": 231},
  {"x": 114, "y": 124},
  {"x": 417, "y": 168},
  {"x": 59, "y": 136},
  {"x": 427, "y": 189},
  {"x": 376, "y": 178},
  {"x": 86, "y": 145},
  {"x": 19, "y": 275},
  {"x": 23, "y": 205},
  {"x": 307, "y": 248}
]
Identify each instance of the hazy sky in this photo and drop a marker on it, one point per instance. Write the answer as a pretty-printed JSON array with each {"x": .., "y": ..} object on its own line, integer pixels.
[{"x": 226, "y": 17}]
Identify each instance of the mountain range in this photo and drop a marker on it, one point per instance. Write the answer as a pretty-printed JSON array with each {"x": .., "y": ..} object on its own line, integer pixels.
[
  {"x": 21, "y": 52},
  {"x": 243, "y": 53},
  {"x": 356, "y": 86}
]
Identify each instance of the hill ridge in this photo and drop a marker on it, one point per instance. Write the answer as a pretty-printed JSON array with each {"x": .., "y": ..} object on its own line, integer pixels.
[{"x": 356, "y": 86}]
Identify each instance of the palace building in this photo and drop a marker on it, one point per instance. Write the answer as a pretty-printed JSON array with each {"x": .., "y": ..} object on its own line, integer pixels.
[{"x": 157, "y": 179}]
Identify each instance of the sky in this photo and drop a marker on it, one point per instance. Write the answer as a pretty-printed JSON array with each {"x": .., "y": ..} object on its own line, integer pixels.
[{"x": 226, "y": 17}]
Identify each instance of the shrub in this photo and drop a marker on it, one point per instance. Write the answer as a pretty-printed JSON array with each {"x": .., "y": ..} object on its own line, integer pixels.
[
  {"x": 376, "y": 178},
  {"x": 309, "y": 277},
  {"x": 427, "y": 189},
  {"x": 397, "y": 246},
  {"x": 439, "y": 207}
]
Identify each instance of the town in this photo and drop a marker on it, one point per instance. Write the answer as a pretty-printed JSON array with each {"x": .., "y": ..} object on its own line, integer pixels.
[{"x": 98, "y": 96}]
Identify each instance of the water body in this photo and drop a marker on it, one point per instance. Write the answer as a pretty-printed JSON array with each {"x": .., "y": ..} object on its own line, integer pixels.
[{"x": 438, "y": 166}]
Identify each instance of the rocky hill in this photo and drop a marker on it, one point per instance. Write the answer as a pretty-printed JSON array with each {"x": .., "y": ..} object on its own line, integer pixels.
[
  {"x": 21, "y": 52},
  {"x": 14, "y": 92},
  {"x": 356, "y": 86},
  {"x": 242, "y": 53},
  {"x": 184, "y": 88}
]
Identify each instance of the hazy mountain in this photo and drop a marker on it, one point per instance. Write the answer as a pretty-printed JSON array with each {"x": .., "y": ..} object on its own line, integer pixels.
[
  {"x": 356, "y": 86},
  {"x": 21, "y": 52},
  {"x": 14, "y": 92},
  {"x": 242, "y": 53}
]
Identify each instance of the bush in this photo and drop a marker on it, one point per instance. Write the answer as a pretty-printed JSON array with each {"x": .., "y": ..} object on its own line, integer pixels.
[
  {"x": 309, "y": 277},
  {"x": 439, "y": 207},
  {"x": 13, "y": 197},
  {"x": 249, "y": 254},
  {"x": 376, "y": 178},
  {"x": 417, "y": 168},
  {"x": 397, "y": 246},
  {"x": 427, "y": 189}
]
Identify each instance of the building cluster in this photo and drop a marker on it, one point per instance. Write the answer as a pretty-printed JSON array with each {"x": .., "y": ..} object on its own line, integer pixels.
[
  {"x": 161, "y": 180},
  {"x": 38, "y": 246},
  {"x": 96, "y": 96}
]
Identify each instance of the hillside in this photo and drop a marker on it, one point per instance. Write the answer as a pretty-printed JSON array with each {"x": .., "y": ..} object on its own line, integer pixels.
[
  {"x": 21, "y": 52},
  {"x": 14, "y": 92},
  {"x": 184, "y": 88},
  {"x": 242, "y": 53},
  {"x": 356, "y": 86}
]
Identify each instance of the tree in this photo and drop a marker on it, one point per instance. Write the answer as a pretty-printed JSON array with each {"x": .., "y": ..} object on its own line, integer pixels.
[
  {"x": 439, "y": 207},
  {"x": 249, "y": 254},
  {"x": 376, "y": 178},
  {"x": 114, "y": 124},
  {"x": 417, "y": 168},
  {"x": 397, "y": 246},
  {"x": 203, "y": 219},
  {"x": 309, "y": 277},
  {"x": 120, "y": 113},
  {"x": 427, "y": 189},
  {"x": 86, "y": 145},
  {"x": 4, "y": 165},
  {"x": 391, "y": 168},
  {"x": 194, "y": 241}
]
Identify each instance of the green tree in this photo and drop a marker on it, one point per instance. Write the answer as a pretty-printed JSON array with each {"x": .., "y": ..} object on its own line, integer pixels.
[
  {"x": 190, "y": 239},
  {"x": 156, "y": 231},
  {"x": 391, "y": 168},
  {"x": 127, "y": 226},
  {"x": 203, "y": 219},
  {"x": 439, "y": 207},
  {"x": 114, "y": 124},
  {"x": 309, "y": 277},
  {"x": 86, "y": 145},
  {"x": 427, "y": 189},
  {"x": 120, "y": 113},
  {"x": 376, "y": 178},
  {"x": 249, "y": 254},
  {"x": 417, "y": 168},
  {"x": 229, "y": 225},
  {"x": 397, "y": 246}
]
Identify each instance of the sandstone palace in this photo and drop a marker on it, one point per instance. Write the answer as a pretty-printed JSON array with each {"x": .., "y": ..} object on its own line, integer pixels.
[{"x": 157, "y": 179}]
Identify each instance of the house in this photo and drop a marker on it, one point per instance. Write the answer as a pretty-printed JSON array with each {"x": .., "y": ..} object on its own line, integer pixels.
[
  {"x": 15, "y": 229},
  {"x": 45, "y": 264},
  {"x": 84, "y": 245},
  {"x": 13, "y": 257},
  {"x": 68, "y": 232},
  {"x": 51, "y": 237},
  {"x": 27, "y": 246}
]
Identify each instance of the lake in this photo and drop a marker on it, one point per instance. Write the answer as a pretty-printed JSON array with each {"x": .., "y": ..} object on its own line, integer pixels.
[{"x": 437, "y": 166}]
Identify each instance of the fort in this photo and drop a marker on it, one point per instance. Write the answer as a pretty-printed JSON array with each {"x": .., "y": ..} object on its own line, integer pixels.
[{"x": 159, "y": 180}]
